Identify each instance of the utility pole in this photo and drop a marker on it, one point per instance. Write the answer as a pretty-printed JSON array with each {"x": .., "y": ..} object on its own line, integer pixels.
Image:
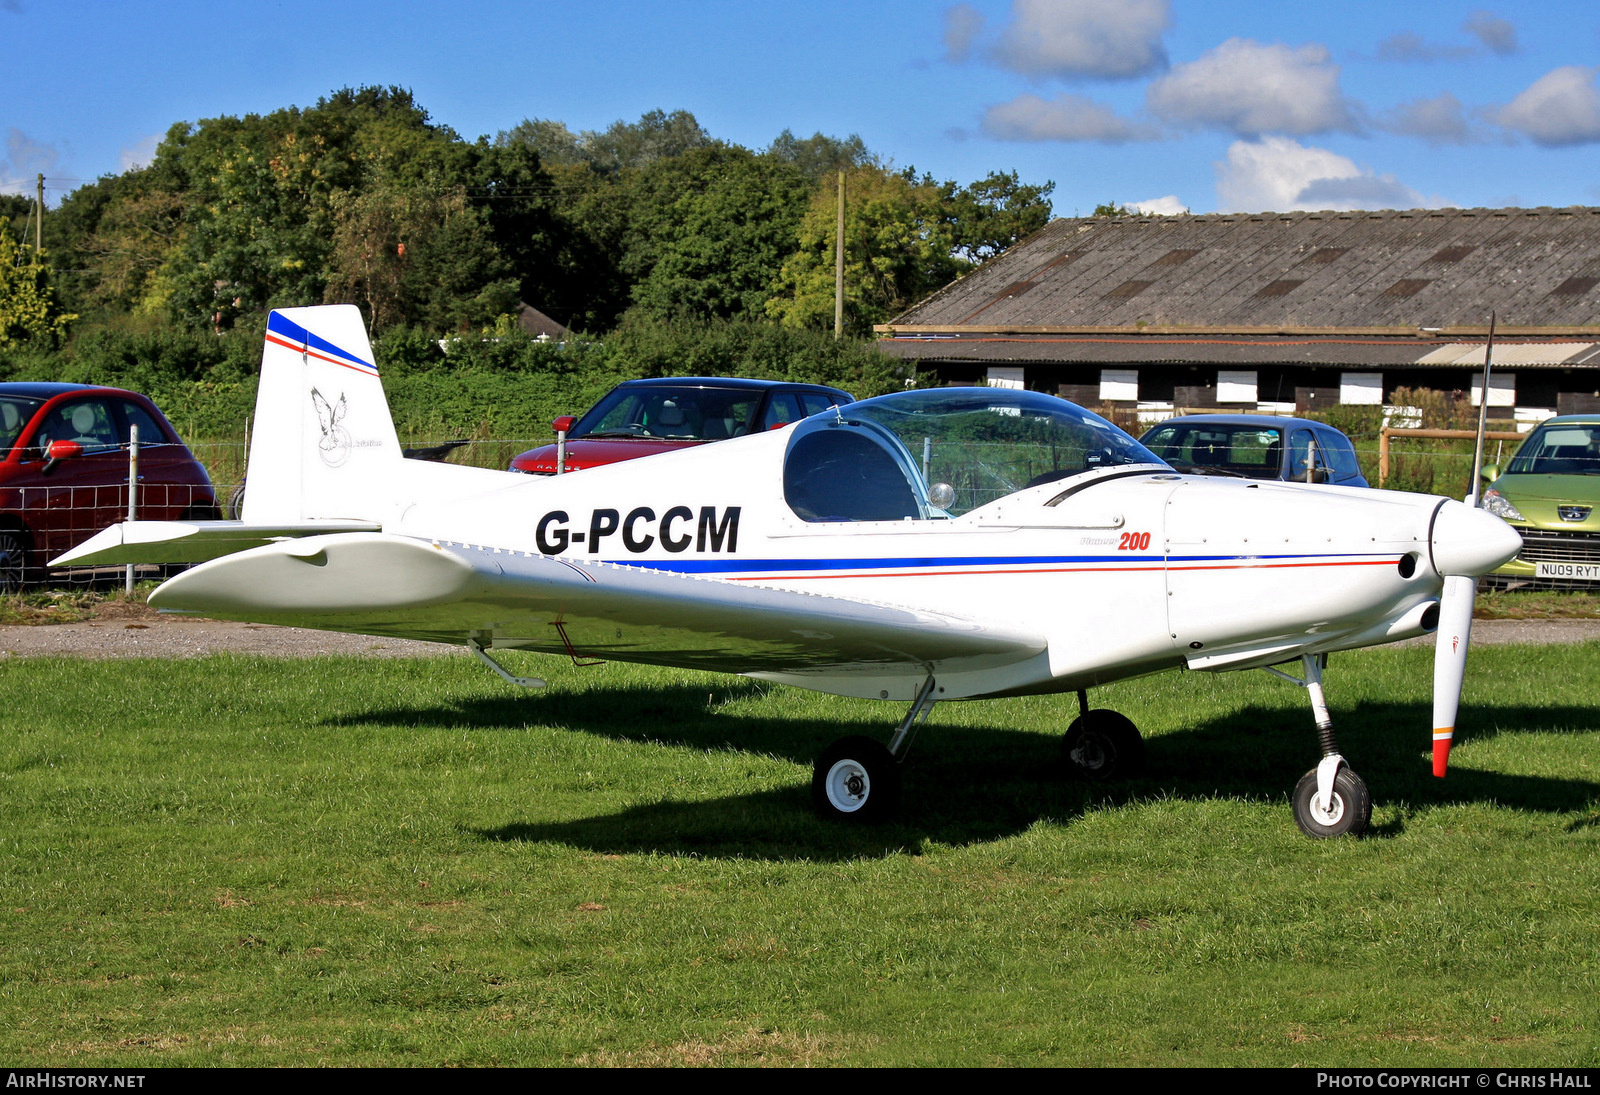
[
  {"x": 38, "y": 219},
  {"x": 839, "y": 263}
]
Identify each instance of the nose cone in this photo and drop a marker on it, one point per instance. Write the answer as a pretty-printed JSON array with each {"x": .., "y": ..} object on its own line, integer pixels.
[{"x": 1469, "y": 541}]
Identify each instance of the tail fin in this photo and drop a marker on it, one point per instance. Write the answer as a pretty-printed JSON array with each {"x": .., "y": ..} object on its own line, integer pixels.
[{"x": 324, "y": 444}]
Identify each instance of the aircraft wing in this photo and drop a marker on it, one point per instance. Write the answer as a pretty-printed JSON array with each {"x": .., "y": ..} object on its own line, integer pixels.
[
  {"x": 405, "y": 587},
  {"x": 191, "y": 541}
]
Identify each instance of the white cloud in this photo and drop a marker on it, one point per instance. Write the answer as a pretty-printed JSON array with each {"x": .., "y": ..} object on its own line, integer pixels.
[
  {"x": 1277, "y": 174},
  {"x": 1168, "y": 206},
  {"x": 1440, "y": 120},
  {"x": 962, "y": 26},
  {"x": 1408, "y": 46},
  {"x": 1251, "y": 89},
  {"x": 140, "y": 153},
  {"x": 1074, "y": 39},
  {"x": 1064, "y": 118},
  {"x": 1497, "y": 35},
  {"x": 1562, "y": 107},
  {"x": 24, "y": 161}
]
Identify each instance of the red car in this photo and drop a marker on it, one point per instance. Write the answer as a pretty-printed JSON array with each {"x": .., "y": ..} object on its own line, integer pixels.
[
  {"x": 64, "y": 471},
  {"x": 643, "y": 417}
]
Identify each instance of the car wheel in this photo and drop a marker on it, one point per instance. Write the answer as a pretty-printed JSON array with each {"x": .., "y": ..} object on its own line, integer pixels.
[{"x": 14, "y": 570}]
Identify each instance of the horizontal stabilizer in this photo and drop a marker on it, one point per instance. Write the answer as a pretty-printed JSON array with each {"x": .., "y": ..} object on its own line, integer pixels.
[{"x": 190, "y": 541}]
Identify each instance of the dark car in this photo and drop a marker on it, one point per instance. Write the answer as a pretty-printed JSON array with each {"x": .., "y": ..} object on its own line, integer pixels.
[
  {"x": 64, "y": 471},
  {"x": 1256, "y": 446},
  {"x": 644, "y": 417}
]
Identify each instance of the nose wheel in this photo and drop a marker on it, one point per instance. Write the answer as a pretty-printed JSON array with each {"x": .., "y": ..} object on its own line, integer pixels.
[
  {"x": 1347, "y": 813},
  {"x": 1330, "y": 800}
]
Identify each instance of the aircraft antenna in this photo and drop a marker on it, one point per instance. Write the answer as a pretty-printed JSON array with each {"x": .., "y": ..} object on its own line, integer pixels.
[{"x": 1483, "y": 418}]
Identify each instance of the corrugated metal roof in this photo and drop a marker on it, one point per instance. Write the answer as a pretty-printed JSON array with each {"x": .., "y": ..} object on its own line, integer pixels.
[
  {"x": 1434, "y": 268},
  {"x": 1535, "y": 353},
  {"x": 1259, "y": 350}
]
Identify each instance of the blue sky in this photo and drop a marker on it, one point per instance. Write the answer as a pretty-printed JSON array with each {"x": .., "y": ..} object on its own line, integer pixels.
[{"x": 1208, "y": 105}]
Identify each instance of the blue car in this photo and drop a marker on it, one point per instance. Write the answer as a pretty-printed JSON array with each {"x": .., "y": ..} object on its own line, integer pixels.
[{"x": 1256, "y": 446}]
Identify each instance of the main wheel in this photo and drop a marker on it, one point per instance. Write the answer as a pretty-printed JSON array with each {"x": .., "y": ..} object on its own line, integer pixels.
[
  {"x": 14, "y": 570},
  {"x": 855, "y": 779},
  {"x": 1103, "y": 745},
  {"x": 1349, "y": 812},
  {"x": 236, "y": 503}
]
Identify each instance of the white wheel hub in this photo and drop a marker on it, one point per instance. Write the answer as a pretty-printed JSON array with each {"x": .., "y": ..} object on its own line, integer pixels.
[
  {"x": 848, "y": 786},
  {"x": 1326, "y": 806},
  {"x": 1334, "y": 812}
]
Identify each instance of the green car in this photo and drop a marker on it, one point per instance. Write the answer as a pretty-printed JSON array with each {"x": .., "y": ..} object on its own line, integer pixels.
[{"x": 1548, "y": 492}]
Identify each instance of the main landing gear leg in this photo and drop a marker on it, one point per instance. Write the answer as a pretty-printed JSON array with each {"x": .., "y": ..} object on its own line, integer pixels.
[
  {"x": 1101, "y": 745},
  {"x": 858, "y": 779},
  {"x": 479, "y": 645},
  {"x": 1329, "y": 800}
]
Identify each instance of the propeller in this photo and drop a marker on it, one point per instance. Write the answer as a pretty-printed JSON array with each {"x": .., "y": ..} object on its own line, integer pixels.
[
  {"x": 1450, "y": 661},
  {"x": 1467, "y": 542}
]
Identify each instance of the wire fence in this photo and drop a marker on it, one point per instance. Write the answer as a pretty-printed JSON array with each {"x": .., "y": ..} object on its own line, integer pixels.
[{"x": 1423, "y": 465}]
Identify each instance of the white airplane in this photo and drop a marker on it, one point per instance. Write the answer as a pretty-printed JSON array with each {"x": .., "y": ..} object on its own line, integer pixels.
[{"x": 929, "y": 545}]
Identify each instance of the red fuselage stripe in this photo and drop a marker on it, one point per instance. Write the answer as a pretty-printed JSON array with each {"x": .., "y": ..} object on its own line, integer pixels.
[{"x": 1050, "y": 570}]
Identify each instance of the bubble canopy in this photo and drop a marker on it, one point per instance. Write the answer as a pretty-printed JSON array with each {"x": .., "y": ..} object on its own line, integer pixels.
[{"x": 942, "y": 452}]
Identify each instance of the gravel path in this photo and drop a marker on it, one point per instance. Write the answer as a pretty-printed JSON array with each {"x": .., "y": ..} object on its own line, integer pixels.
[{"x": 155, "y": 636}]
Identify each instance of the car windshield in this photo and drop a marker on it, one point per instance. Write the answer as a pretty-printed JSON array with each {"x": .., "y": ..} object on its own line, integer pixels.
[
  {"x": 1255, "y": 452},
  {"x": 1559, "y": 449},
  {"x": 15, "y": 411},
  {"x": 685, "y": 413},
  {"x": 943, "y": 452}
]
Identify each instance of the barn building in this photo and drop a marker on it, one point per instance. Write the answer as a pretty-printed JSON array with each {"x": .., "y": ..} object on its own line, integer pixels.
[{"x": 1282, "y": 312}]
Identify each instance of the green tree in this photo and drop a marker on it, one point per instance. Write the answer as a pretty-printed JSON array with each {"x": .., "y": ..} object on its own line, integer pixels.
[
  {"x": 819, "y": 157},
  {"x": 988, "y": 216},
  {"x": 550, "y": 140},
  {"x": 708, "y": 232},
  {"x": 460, "y": 281},
  {"x": 16, "y": 207},
  {"x": 657, "y": 135},
  {"x": 120, "y": 238},
  {"x": 260, "y": 194},
  {"x": 28, "y": 314},
  {"x": 516, "y": 197},
  {"x": 898, "y": 248}
]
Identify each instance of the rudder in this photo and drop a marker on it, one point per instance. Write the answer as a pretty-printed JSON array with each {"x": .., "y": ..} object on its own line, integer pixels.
[{"x": 324, "y": 444}]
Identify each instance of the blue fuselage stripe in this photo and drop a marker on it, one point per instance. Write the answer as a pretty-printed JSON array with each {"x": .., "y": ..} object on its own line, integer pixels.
[{"x": 770, "y": 566}]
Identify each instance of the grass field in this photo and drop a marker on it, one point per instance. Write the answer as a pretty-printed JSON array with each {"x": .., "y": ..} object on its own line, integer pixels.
[{"x": 403, "y": 862}]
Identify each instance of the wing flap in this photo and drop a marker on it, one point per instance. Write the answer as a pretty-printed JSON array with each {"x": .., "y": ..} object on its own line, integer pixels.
[{"x": 404, "y": 587}]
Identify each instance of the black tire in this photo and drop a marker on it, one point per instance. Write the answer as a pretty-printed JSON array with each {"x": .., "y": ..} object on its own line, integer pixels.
[
  {"x": 203, "y": 512},
  {"x": 236, "y": 503},
  {"x": 1352, "y": 806},
  {"x": 855, "y": 779},
  {"x": 15, "y": 571},
  {"x": 1102, "y": 746}
]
